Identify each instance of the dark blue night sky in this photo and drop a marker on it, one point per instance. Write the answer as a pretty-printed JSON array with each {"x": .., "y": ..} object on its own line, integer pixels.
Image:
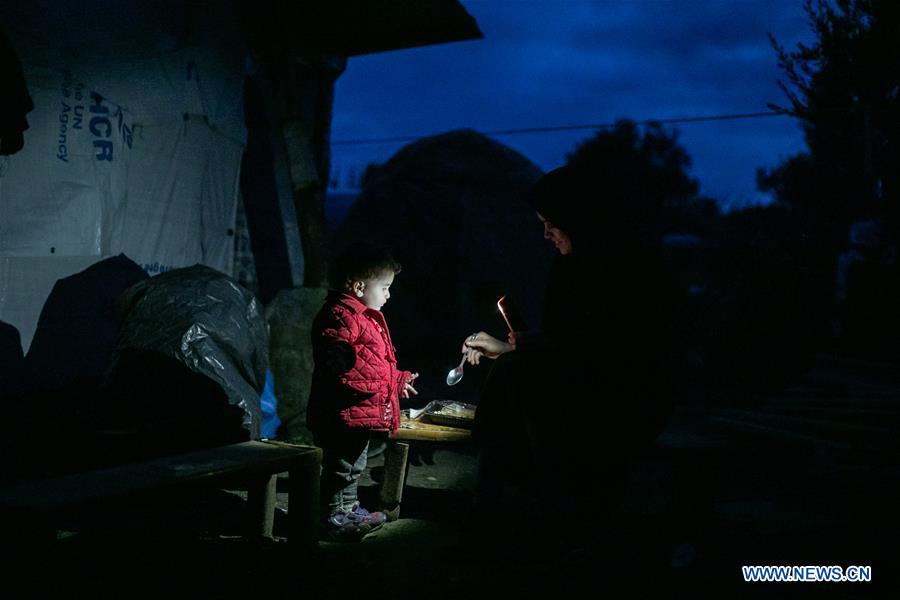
[{"x": 560, "y": 63}]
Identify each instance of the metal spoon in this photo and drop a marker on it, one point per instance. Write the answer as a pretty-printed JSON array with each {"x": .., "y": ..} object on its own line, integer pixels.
[{"x": 456, "y": 375}]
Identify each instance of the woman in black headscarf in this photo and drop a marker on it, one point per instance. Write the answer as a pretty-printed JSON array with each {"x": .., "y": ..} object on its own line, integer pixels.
[{"x": 565, "y": 405}]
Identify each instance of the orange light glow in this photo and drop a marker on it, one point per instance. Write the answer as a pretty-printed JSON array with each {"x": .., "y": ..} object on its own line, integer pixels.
[{"x": 503, "y": 312}]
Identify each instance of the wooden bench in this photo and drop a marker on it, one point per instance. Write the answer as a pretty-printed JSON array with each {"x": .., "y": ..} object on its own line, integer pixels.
[
  {"x": 396, "y": 457},
  {"x": 31, "y": 509}
]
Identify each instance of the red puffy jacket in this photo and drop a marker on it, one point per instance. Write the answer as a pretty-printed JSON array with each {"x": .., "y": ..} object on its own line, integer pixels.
[{"x": 355, "y": 381}]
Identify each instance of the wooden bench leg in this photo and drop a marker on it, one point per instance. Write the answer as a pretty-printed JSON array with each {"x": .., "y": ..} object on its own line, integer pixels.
[
  {"x": 395, "y": 464},
  {"x": 261, "y": 496},
  {"x": 303, "y": 507}
]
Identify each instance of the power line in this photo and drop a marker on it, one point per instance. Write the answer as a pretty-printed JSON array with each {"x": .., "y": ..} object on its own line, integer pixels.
[{"x": 733, "y": 117}]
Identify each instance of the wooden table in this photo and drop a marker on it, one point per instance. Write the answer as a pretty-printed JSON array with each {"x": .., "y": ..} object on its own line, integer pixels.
[{"x": 397, "y": 453}]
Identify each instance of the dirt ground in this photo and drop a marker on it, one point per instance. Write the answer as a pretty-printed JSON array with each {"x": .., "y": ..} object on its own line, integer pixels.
[{"x": 803, "y": 477}]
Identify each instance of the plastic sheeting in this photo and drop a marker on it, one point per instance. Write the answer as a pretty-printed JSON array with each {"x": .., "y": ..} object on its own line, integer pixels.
[
  {"x": 206, "y": 321},
  {"x": 97, "y": 177},
  {"x": 134, "y": 144},
  {"x": 25, "y": 284},
  {"x": 76, "y": 331}
]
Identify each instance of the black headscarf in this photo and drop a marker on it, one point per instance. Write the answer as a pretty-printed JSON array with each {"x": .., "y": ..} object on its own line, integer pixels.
[{"x": 584, "y": 205}]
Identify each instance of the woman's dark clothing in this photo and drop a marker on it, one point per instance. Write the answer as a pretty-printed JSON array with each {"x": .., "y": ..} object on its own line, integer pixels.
[{"x": 573, "y": 400}]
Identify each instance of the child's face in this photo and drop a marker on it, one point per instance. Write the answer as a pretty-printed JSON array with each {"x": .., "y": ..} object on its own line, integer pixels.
[
  {"x": 375, "y": 291},
  {"x": 557, "y": 236}
]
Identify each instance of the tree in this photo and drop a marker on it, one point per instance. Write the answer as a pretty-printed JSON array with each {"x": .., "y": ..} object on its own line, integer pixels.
[
  {"x": 652, "y": 166},
  {"x": 845, "y": 89}
]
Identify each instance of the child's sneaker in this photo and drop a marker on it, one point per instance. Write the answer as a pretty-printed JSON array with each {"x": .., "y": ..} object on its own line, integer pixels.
[
  {"x": 366, "y": 519},
  {"x": 352, "y": 526},
  {"x": 341, "y": 528}
]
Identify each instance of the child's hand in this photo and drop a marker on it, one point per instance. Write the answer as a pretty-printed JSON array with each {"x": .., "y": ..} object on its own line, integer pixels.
[{"x": 408, "y": 387}]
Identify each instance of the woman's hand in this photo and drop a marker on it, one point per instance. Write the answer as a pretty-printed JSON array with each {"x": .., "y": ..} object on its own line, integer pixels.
[
  {"x": 512, "y": 338},
  {"x": 483, "y": 344}
]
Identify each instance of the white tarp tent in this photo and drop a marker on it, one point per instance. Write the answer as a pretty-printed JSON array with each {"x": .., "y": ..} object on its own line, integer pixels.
[{"x": 134, "y": 147}]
